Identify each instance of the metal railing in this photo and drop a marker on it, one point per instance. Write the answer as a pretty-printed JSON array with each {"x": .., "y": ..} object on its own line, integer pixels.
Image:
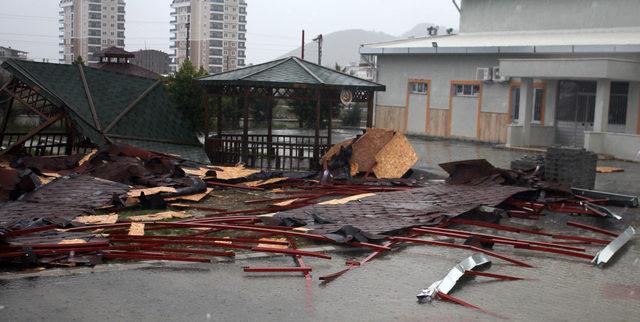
[{"x": 285, "y": 152}]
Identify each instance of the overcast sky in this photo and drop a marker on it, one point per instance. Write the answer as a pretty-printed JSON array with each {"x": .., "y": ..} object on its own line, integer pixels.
[{"x": 273, "y": 25}]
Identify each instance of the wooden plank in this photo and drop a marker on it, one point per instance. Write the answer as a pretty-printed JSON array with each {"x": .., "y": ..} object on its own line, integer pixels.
[
  {"x": 395, "y": 158},
  {"x": 35, "y": 131},
  {"x": 493, "y": 127},
  {"x": 87, "y": 92},
  {"x": 389, "y": 117}
]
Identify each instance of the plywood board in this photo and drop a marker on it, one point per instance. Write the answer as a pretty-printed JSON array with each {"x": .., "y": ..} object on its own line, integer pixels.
[
  {"x": 199, "y": 172},
  {"x": 97, "y": 219},
  {"x": 264, "y": 182},
  {"x": 335, "y": 149},
  {"x": 160, "y": 216},
  {"x": 368, "y": 145},
  {"x": 274, "y": 245},
  {"x": 395, "y": 158},
  {"x": 135, "y": 193},
  {"x": 228, "y": 173},
  {"x": 609, "y": 169},
  {"x": 195, "y": 197},
  {"x": 345, "y": 200},
  {"x": 136, "y": 229}
]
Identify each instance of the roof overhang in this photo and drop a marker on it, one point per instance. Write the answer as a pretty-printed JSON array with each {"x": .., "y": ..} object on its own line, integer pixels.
[
  {"x": 553, "y": 49},
  {"x": 567, "y": 68}
]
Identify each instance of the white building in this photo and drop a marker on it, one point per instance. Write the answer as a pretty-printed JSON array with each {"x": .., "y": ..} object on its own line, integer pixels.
[
  {"x": 216, "y": 30},
  {"x": 523, "y": 73},
  {"x": 89, "y": 26}
]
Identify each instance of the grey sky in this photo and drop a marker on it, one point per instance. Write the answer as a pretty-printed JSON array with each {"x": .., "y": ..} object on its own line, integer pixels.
[{"x": 273, "y": 25}]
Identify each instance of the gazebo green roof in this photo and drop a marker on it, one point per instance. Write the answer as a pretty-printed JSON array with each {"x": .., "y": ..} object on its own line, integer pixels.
[
  {"x": 152, "y": 122},
  {"x": 291, "y": 72}
]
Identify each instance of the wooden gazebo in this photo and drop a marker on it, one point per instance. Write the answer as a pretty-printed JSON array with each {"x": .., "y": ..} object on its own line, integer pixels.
[{"x": 290, "y": 79}]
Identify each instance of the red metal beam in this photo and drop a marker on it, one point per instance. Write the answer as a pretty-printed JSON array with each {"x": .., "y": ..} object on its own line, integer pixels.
[
  {"x": 592, "y": 228},
  {"x": 152, "y": 256},
  {"x": 290, "y": 252},
  {"x": 305, "y": 270},
  {"x": 491, "y": 275}
]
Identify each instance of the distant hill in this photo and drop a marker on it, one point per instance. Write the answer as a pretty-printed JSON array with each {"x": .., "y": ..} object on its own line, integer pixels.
[{"x": 342, "y": 47}]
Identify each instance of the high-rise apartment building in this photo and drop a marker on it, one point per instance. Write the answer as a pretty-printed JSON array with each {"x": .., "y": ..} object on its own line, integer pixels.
[
  {"x": 216, "y": 30},
  {"x": 89, "y": 26}
]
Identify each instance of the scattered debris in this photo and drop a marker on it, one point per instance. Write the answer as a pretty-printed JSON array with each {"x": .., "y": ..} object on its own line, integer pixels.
[
  {"x": 603, "y": 169},
  {"x": 603, "y": 256}
]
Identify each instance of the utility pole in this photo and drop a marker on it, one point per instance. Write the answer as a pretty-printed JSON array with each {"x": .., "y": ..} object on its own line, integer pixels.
[
  {"x": 319, "y": 40},
  {"x": 188, "y": 25},
  {"x": 302, "y": 54}
]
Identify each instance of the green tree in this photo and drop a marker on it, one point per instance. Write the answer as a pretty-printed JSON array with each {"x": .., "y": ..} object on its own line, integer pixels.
[
  {"x": 340, "y": 68},
  {"x": 305, "y": 111},
  {"x": 79, "y": 61},
  {"x": 187, "y": 95},
  {"x": 352, "y": 115}
]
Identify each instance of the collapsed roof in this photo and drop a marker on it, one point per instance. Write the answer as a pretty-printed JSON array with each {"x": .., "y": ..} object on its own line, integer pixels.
[{"x": 105, "y": 106}]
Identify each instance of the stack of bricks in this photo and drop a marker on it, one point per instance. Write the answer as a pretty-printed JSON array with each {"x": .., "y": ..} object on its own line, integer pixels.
[{"x": 573, "y": 166}]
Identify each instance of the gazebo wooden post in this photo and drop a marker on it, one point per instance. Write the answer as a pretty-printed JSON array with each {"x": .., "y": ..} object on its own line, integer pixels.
[
  {"x": 245, "y": 126},
  {"x": 219, "y": 118},
  {"x": 370, "y": 110},
  {"x": 270, "y": 131},
  {"x": 7, "y": 114},
  {"x": 329, "y": 126},
  {"x": 316, "y": 144}
]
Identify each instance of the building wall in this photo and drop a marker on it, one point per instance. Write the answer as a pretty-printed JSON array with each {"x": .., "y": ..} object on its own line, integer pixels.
[
  {"x": 217, "y": 34},
  {"x": 517, "y": 15},
  {"x": 89, "y": 26},
  {"x": 493, "y": 119},
  {"x": 153, "y": 60}
]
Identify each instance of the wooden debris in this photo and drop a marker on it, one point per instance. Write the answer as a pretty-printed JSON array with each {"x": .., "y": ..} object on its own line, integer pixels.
[
  {"x": 270, "y": 245},
  {"x": 368, "y": 145},
  {"x": 71, "y": 241},
  {"x": 196, "y": 197},
  {"x": 160, "y": 216},
  {"x": 228, "y": 173},
  {"x": 286, "y": 202},
  {"x": 335, "y": 149},
  {"x": 342, "y": 201},
  {"x": 97, "y": 219},
  {"x": 395, "y": 158},
  {"x": 136, "y": 229},
  {"x": 609, "y": 169},
  {"x": 264, "y": 182},
  {"x": 135, "y": 193},
  {"x": 198, "y": 172}
]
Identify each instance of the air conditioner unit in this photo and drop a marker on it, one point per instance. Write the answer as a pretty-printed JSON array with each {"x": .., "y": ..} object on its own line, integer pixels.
[
  {"x": 497, "y": 76},
  {"x": 483, "y": 74}
]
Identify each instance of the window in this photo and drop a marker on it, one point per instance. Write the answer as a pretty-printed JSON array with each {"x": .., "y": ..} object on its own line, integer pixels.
[
  {"x": 418, "y": 88},
  {"x": 538, "y": 94},
  {"x": 618, "y": 103},
  {"x": 467, "y": 90}
]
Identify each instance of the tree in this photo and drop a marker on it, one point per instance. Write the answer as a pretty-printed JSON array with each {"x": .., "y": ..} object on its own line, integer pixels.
[
  {"x": 79, "y": 61},
  {"x": 340, "y": 68},
  {"x": 305, "y": 111},
  {"x": 187, "y": 95}
]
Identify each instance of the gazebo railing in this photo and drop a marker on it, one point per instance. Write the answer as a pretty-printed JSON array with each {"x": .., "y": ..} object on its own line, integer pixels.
[
  {"x": 285, "y": 152},
  {"x": 45, "y": 144}
]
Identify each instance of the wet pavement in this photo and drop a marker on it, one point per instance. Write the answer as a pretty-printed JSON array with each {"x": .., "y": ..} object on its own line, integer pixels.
[{"x": 558, "y": 289}]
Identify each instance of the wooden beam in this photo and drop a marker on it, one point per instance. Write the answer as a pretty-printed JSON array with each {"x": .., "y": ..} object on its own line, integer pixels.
[
  {"x": 370, "y": 110},
  {"x": 139, "y": 138},
  {"x": 7, "y": 113},
  {"x": 87, "y": 92},
  {"x": 219, "y": 118},
  {"x": 25, "y": 103},
  {"x": 131, "y": 106},
  {"x": 330, "y": 125},
  {"x": 270, "y": 132},
  {"x": 245, "y": 127},
  {"x": 34, "y": 132},
  {"x": 316, "y": 143}
]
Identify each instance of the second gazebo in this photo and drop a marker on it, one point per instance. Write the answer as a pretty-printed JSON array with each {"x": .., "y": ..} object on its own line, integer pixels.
[{"x": 289, "y": 79}]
